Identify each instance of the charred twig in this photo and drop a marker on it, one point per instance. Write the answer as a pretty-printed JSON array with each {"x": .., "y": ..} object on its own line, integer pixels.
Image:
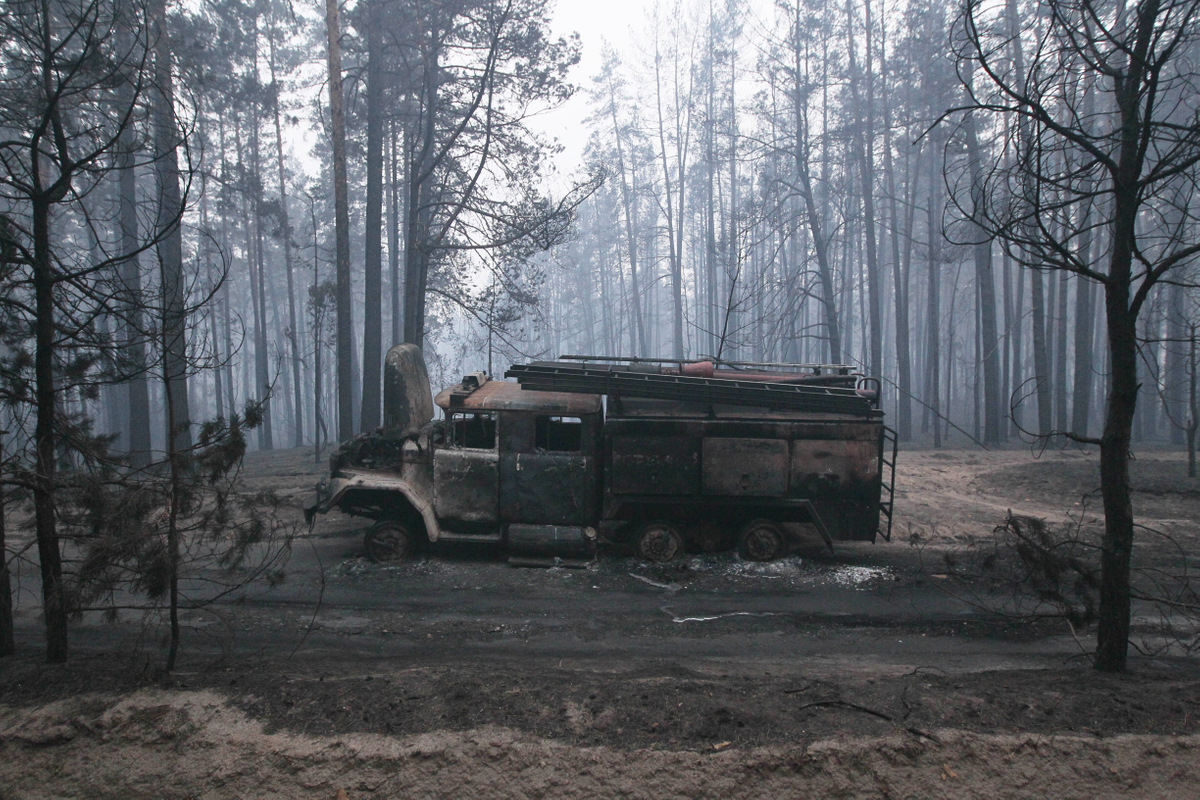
[
  {"x": 317, "y": 607},
  {"x": 838, "y": 703}
]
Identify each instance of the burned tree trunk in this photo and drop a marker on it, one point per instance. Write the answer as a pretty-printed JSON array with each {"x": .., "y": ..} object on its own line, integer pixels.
[
  {"x": 373, "y": 247},
  {"x": 341, "y": 200},
  {"x": 167, "y": 139}
]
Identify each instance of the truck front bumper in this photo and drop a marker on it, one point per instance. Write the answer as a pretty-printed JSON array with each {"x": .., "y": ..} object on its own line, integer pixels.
[{"x": 324, "y": 491}]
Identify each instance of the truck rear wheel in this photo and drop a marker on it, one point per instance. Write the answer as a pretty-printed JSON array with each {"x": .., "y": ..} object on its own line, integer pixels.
[
  {"x": 761, "y": 540},
  {"x": 658, "y": 542},
  {"x": 388, "y": 541}
]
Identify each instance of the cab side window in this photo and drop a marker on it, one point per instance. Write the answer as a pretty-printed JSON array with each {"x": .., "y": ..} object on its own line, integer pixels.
[
  {"x": 473, "y": 431},
  {"x": 559, "y": 434}
]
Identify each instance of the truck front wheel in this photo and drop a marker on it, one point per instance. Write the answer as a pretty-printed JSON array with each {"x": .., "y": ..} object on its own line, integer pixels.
[
  {"x": 761, "y": 540},
  {"x": 388, "y": 541},
  {"x": 658, "y": 542}
]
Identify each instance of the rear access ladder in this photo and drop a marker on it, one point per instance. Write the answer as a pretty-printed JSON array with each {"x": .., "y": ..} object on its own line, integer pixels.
[{"x": 887, "y": 488}]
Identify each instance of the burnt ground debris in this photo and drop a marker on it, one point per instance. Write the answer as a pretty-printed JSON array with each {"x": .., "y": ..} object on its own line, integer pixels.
[{"x": 711, "y": 652}]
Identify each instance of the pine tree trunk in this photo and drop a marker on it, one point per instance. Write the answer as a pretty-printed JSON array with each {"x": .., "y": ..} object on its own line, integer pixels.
[
  {"x": 1006, "y": 370},
  {"x": 227, "y": 326},
  {"x": 223, "y": 297},
  {"x": 373, "y": 247},
  {"x": 1012, "y": 18},
  {"x": 673, "y": 228},
  {"x": 899, "y": 278},
  {"x": 320, "y": 431},
  {"x": 396, "y": 286},
  {"x": 256, "y": 385},
  {"x": 1112, "y": 632},
  {"x": 1041, "y": 354},
  {"x": 213, "y": 333},
  {"x": 933, "y": 302},
  {"x": 286, "y": 223},
  {"x": 1193, "y": 403},
  {"x": 167, "y": 139},
  {"x": 1060, "y": 358},
  {"x": 417, "y": 207},
  {"x": 54, "y": 603},
  {"x": 262, "y": 352},
  {"x": 136, "y": 426},
  {"x": 820, "y": 243},
  {"x": 733, "y": 243},
  {"x": 865, "y": 151},
  {"x": 345, "y": 324},
  {"x": 1018, "y": 350},
  {"x": 1081, "y": 394},
  {"x": 8, "y": 644},
  {"x": 984, "y": 277},
  {"x": 710, "y": 219},
  {"x": 175, "y": 461},
  {"x": 629, "y": 207}
]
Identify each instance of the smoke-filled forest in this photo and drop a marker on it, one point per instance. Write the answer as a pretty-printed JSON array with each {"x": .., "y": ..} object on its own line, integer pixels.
[
  {"x": 890, "y": 186},
  {"x": 216, "y": 217},
  {"x": 850, "y": 446}
]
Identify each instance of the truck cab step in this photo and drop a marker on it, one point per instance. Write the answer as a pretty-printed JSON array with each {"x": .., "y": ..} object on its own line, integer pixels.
[{"x": 477, "y": 538}]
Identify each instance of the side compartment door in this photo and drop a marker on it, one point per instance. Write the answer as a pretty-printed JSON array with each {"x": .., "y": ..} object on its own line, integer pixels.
[
  {"x": 549, "y": 475},
  {"x": 744, "y": 467},
  {"x": 466, "y": 474},
  {"x": 655, "y": 465}
]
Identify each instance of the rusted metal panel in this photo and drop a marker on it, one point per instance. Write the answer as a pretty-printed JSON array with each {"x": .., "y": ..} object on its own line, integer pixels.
[
  {"x": 655, "y": 465},
  {"x": 823, "y": 466},
  {"x": 747, "y": 428},
  {"x": 549, "y": 488},
  {"x": 642, "y": 409},
  {"x": 842, "y": 431},
  {"x": 745, "y": 467},
  {"x": 466, "y": 484},
  {"x": 842, "y": 480},
  {"x": 506, "y": 396}
]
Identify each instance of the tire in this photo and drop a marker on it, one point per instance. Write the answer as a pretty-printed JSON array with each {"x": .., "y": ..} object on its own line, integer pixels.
[
  {"x": 761, "y": 540},
  {"x": 658, "y": 542},
  {"x": 389, "y": 541}
]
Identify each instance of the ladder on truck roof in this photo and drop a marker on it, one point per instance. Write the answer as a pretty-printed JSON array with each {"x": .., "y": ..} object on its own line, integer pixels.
[
  {"x": 789, "y": 366},
  {"x": 813, "y": 398}
]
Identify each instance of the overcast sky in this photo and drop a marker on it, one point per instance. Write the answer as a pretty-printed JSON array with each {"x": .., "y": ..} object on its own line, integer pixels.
[{"x": 595, "y": 22}]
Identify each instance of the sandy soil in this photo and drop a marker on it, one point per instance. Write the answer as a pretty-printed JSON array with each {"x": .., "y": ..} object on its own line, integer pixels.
[
  {"x": 192, "y": 744},
  {"x": 846, "y": 675}
]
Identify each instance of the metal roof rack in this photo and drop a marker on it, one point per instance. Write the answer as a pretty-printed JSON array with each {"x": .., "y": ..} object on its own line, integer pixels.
[
  {"x": 614, "y": 381},
  {"x": 817, "y": 369}
]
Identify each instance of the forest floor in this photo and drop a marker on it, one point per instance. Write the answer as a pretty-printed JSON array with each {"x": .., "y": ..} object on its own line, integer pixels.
[{"x": 902, "y": 669}]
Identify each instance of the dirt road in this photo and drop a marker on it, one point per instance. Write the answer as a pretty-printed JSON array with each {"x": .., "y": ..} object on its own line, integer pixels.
[{"x": 865, "y": 672}]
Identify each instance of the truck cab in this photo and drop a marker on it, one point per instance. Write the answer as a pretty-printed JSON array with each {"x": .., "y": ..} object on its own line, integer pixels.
[
  {"x": 518, "y": 466},
  {"x": 505, "y": 466}
]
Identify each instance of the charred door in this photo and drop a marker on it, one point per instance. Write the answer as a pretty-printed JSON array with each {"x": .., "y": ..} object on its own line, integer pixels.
[
  {"x": 548, "y": 469},
  {"x": 466, "y": 470}
]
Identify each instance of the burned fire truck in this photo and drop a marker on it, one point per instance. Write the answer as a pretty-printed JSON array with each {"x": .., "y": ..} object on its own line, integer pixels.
[{"x": 663, "y": 457}]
